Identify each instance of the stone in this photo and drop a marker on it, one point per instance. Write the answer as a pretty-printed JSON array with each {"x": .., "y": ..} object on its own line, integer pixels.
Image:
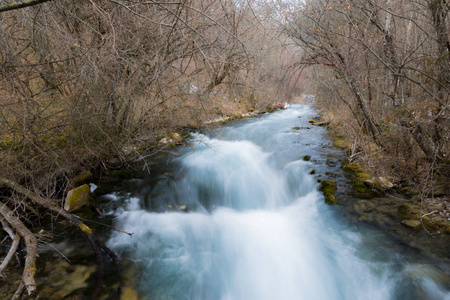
[
  {"x": 379, "y": 183},
  {"x": 412, "y": 223},
  {"x": 78, "y": 198},
  {"x": 329, "y": 188}
]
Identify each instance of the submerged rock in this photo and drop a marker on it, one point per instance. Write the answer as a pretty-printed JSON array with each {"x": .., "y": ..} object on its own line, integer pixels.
[{"x": 78, "y": 198}]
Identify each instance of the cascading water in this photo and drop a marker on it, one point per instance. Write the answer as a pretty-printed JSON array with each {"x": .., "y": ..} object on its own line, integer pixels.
[{"x": 256, "y": 226}]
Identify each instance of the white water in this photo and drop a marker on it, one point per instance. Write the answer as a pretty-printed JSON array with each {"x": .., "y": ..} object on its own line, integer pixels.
[{"x": 258, "y": 228}]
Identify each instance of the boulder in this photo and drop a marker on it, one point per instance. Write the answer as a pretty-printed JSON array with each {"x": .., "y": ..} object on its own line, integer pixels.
[
  {"x": 412, "y": 223},
  {"x": 78, "y": 198},
  {"x": 379, "y": 183}
]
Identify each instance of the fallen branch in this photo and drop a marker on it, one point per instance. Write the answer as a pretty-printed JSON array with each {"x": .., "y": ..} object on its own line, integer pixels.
[
  {"x": 16, "y": 240},
  {"x": 49, "y": 204},
  {"x": 30, "y": 243}
]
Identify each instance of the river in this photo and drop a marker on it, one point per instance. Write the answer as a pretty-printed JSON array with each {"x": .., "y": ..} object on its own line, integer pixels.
[{"x": 238, "y": 215}]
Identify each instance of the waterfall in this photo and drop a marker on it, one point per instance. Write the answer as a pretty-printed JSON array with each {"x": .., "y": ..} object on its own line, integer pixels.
[{"x": 245, "y": 220}]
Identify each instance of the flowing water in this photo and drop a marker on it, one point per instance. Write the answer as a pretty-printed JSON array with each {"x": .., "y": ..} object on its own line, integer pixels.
[{"x": 239, "y": 216}]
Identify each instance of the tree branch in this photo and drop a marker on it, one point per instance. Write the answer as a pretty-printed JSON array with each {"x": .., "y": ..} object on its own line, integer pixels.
[
  {"x": 18, "y": 5},
  {"x": 30, "y": 243},
  {"x": 16, "y": 240}
]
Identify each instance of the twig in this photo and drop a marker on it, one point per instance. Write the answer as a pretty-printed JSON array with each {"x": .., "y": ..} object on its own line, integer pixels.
[
  {"x": 19, "y": 291},
  {"x": 433, "y": 212},
  {"x": 106, "y": 225}
]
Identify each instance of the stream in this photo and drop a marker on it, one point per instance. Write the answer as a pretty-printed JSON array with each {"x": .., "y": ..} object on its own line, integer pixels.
[{"x": 238, "y": 215}]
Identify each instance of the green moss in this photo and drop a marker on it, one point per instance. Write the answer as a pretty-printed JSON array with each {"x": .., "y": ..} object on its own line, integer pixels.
[
  {"x": 312, "y": 172},
  {"x": 430, "y": 225},
  {"x": 83, "y": 178},
  {"x": 312, "y": 122},
  {"x": 78, "y": 198},
  {"x": 407, "y": 211},
  {"x": 329, "y": 188},
  {"x": 358, "y": 176},
  {"x": 307, "y": 157},
  {"x": 362, "y": 191},
  {"x": 341, "y": 143},
  {"x": 296, "y": 128}
]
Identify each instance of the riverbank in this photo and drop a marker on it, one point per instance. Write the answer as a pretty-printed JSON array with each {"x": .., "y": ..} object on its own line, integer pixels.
[{"x": 401, "y": 205}]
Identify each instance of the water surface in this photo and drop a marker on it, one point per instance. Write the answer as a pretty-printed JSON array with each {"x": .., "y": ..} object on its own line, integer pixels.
[{"x": 239, "y": 216}]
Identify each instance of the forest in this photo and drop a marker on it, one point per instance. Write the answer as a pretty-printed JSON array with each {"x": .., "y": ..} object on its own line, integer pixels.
[{"x": 90, "y": 86}]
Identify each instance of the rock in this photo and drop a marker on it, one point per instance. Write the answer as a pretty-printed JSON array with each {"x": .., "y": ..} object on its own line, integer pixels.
[
  {"x": 379, "y": 183},
  {"x": 323, "y": 123},
  {"x": 78, "y": 198},
  {"x": 412, "y": 223},
  {"x": 329, "y": 188},
  {"x": 307, "y": 157}
]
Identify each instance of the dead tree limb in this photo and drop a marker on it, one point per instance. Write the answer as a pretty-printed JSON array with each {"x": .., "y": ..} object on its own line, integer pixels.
[
  {"x": 18, "y": 5},
  {"x": 30, "y": 243},
  {"x": 15, "y": 243},
  {"x": 50, "y": 205}
]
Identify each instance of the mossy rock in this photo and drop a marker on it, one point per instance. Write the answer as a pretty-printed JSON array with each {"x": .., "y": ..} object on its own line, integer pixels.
[
  {"x": 357, "y": 171},
  {"x": 296, "y": 128},
  {"x": 342, "y": 143},
  {"x": 362, "y": 191},
  {"x": 379, "y": 183},
  {"x": 307, "y": 157},
  {"x": 414, "y": 224},
  {"x": 312, "y": 121},
  {"x": 407, "y": 211},
  {"x": 78, "y": 198},
  {"x": 329, "y": 189},
  {"x": 81, "y": 179},
  {"x": 358, "y": 176},
  {"x": 312, "y": 172}
]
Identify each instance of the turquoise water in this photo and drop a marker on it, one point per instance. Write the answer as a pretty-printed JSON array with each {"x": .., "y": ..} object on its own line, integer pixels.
[{"x": 238, "y": 216}]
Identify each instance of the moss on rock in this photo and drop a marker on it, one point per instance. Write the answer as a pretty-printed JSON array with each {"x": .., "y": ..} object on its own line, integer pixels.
[
  {"x": 358, "y": 176},
  {"x": 78, "y": 198},
  {"x": 329, "y": 188}
]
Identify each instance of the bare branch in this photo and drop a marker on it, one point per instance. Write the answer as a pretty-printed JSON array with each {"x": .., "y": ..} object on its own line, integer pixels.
[{"x": 18, "y": 5}]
